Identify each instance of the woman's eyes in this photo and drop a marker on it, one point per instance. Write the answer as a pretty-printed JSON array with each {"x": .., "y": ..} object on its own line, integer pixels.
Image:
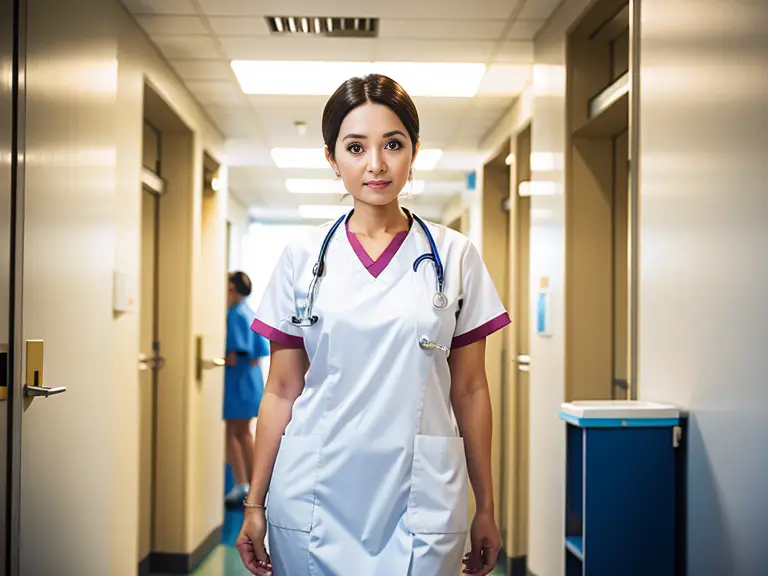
[{"x": 391, "y": 145}]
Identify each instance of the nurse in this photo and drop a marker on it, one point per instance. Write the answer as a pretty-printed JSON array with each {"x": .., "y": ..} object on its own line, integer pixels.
[
  {"x": 359, "y": 467},
  {"x": 243, "y": 384}
]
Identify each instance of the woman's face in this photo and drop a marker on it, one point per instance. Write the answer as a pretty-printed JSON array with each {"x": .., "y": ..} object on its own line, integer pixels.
[{"x": 373, "y": 154}]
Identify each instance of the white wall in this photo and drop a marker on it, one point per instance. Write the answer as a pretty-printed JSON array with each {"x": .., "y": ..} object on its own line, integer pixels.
[
  {"x": 237, "y": 216},
  {"x": 704, "y": 263}
]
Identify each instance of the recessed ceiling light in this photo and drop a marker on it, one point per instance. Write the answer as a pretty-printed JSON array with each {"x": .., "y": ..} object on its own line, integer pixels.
[
  {"x": 301, "y": 78},
  {"x": 315, "y": 158}
]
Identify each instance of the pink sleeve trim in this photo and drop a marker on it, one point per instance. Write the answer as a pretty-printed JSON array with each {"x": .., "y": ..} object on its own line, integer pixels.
[
  {"x": 481, "y": 332},
  {"x": 275, "y": 335}
]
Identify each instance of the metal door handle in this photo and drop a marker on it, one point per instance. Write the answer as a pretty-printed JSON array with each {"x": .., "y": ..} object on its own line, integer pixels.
[
  {"x": 213, "y": 363},
  {"x": 44, "y": 391}
]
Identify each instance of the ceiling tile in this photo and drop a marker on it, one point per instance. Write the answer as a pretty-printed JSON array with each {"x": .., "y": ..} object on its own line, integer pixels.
[
  {"x": 187, "y": 47},
  {"x": 515, "y": 52},
  {"x": 538, "y": 9},
  {"x": 160, "y": 6},
  {"x": 402, "y": 9},
  {"x": 172, "y": 25},
  {"x": 238, "y": 48},
  {"x": 505, "y": 80},
  {"x": 203, "y": 69},
  {"x": 215, "y": 92},
  {"x": 441, "y": 29},
  {"x": 240, "y": 26},
  {"x": 525, "y": 29},
  {"x": 434, "y": 50}
]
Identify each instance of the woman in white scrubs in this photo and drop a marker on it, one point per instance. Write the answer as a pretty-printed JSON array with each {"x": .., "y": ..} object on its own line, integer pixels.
[{"x": 358, "y": 466}]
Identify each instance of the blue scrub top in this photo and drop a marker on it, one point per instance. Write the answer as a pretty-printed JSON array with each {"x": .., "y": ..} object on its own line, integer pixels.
[{"x": 243, "y": 382}]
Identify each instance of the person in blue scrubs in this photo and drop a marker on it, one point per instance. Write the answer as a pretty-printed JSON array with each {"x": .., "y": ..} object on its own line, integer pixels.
[{"x": 243, "y": 384}]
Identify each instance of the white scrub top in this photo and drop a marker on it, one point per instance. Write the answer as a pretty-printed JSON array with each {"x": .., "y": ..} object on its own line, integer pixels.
[{"x": 370, "y": 477}]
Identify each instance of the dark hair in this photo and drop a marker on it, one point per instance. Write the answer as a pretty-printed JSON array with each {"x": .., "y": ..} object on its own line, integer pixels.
[
  {"x": 241, "y": 282},
  {"x": 374, "y": 88}
]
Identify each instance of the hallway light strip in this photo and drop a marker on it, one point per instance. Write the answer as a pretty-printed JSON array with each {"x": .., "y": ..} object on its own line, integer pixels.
[{"x": 304, "y": 78}]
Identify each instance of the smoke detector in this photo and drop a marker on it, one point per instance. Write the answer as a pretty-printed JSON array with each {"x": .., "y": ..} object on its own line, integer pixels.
[{"x": 323, "y": 26}]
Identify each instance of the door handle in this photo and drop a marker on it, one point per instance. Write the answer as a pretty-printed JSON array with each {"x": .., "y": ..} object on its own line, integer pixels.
[
  {"x": 150, "y": 362},
  {"x": 34, "y": 373},
  {"x": 206, "y": 363},
  {"x": 44, "y": 391}
]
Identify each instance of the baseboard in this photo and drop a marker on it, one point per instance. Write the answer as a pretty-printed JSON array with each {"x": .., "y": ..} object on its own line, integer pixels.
[
  {"x": 515, "y": 566},
  {"x": 144, "y": 566},
  {"x": 170, "y": 563}
]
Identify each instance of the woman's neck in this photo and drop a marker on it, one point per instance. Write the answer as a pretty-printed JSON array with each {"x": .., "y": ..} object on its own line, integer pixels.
[{"x": 369, "y": 220}]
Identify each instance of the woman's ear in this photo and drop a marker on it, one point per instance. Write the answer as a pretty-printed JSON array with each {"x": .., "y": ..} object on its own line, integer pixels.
[{"x": 329, "y": 158}]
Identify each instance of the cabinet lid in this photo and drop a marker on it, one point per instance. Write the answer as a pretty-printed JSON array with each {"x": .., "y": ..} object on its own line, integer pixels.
[{"x": 620, "y": 413}]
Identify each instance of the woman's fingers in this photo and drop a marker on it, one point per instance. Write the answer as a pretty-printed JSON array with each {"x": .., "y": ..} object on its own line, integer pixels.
[{"x": 254, "y": 558}]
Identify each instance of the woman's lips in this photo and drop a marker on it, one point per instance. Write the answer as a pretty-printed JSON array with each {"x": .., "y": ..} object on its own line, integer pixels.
[{"x": 378, "y": 184}]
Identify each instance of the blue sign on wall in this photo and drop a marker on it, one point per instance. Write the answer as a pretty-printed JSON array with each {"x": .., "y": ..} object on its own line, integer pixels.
[{"x": 471, "y": 181}]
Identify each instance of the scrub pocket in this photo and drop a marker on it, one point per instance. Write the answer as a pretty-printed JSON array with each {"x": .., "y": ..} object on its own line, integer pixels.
[
  {"x": 291, "y": 497},
  {"x": 438, "y": 503}
]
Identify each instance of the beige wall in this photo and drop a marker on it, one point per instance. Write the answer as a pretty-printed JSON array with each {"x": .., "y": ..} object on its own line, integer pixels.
[
  {"x": 88, "y": 64},
  {"x": 543, "y": 105},
  {"x": 188, "y": 488}
]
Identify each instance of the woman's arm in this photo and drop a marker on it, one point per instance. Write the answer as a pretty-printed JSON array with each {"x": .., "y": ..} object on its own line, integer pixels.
[
  {"x": 284, "y": 384},
  {"x": 472, "y": 405}
]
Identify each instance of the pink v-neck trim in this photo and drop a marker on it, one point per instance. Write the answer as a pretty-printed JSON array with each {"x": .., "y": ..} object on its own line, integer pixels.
[{"x": 376, "y": 267}]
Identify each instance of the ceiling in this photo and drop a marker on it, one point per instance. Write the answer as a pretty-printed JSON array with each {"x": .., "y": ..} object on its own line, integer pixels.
[{"x": 200, "y": 38}]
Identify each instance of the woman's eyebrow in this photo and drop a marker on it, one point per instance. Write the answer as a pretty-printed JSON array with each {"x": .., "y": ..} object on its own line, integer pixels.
[
  {"x": 394, "y": 133},
  {"x": 355, "y": 136}
]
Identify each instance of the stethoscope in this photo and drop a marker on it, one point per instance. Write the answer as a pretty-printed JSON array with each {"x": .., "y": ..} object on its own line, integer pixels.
[{"x": 439, "y": 299}]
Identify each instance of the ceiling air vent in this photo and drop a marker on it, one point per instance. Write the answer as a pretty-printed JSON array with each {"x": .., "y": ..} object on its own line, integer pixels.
[{"x": 322, "y": 26}]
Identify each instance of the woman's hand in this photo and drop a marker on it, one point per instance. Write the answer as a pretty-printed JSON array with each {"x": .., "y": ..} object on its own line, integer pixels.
[
  {"x": 486, "y": 544},
  {"x": 250, "y": 542}
]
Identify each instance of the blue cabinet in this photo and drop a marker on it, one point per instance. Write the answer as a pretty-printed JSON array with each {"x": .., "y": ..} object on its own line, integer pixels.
[{"x": 620, "y": 488}]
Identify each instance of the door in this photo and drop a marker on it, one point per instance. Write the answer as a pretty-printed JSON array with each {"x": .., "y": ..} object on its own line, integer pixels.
[
  {"x": 150, "y": 363},
  {"x": 151, "y": 360},
  {"x": 7, "y": 156}
]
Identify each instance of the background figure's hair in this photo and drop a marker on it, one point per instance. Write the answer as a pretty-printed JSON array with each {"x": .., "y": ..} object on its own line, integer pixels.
[{"x": 241, "y": 282}]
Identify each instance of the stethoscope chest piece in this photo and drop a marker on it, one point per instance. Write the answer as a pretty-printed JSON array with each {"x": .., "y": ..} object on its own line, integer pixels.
[{"x": 439, "y": 300}]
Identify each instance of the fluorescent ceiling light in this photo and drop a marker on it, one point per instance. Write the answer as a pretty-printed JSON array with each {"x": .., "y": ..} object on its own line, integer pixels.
[
  {"x": 300, "y": 78},
  {"x": 324, "y": 212},
  {"x": 427, "y": 159},
  {"x": 330, "y": 186},
  {"x": 314, "y": 186},
  {"x": 315, "y": 158},
  {"x": 300, "y": 158}
]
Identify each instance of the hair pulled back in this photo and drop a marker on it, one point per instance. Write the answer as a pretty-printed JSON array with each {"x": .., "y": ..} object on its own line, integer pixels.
[{"x": 355, "y": 92}]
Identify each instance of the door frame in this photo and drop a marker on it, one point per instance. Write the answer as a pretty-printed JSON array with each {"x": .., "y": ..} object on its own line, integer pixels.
[{"x": 15, "y": 343}]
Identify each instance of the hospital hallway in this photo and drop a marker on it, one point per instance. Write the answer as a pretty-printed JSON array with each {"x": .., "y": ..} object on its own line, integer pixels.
[{"x": 583, "y": 193}]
